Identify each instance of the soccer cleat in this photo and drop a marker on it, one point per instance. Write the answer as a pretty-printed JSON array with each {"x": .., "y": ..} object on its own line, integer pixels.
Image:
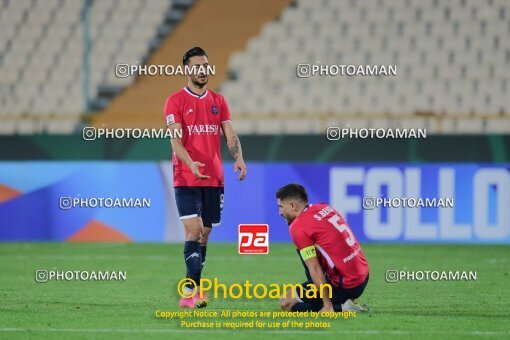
[
  {"x": 203, "y": 297},
  {"x": 201, "y": 301},
  {"x": 355, "y": 306},
  {"x": 186, "y": 302},
  {"x": 193, "y": 302}
]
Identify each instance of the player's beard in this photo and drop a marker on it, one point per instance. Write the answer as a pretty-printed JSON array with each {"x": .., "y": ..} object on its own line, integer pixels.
[
  {"x": 198, "y": 82},
  {"x": 289, "y": 220}
]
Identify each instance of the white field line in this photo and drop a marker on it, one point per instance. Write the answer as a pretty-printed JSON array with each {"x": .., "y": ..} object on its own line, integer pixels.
[{"x": 155, "y": 331}]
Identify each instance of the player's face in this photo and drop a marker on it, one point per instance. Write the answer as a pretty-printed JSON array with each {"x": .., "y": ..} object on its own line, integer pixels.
[
  {"x": 287, "y": 209},
  {"x": 199, "y": 78}
]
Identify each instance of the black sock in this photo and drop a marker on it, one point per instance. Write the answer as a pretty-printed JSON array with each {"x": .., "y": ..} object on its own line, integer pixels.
[
  {"x": 203, "y": 250},
  {"x": 305, "y": 306},
  {"x": 193, "y": 259}
]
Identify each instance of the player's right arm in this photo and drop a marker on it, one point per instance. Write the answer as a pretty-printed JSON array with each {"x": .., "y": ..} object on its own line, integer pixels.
[
  {"x": 173, "y": 117},
  {"x": 181, "y": 153}
]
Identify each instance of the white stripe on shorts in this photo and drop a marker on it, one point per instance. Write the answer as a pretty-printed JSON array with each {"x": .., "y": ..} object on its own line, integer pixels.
[{"x": 188, "y": 216}]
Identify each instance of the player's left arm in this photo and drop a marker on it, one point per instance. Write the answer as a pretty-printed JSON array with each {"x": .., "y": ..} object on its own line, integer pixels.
[
  {"x": 306, "y": 247},
  {"x": 234, "y": 147},
  {"x": 307, "y": 272},
  {"x": 318, "y": 278}
]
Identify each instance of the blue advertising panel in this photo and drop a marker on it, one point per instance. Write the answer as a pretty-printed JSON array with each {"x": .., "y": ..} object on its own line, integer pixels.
[
  {"x": 477, "y": 198},
  {"x": 479, "y": 193},
  {"x": 35, "y": 195}
]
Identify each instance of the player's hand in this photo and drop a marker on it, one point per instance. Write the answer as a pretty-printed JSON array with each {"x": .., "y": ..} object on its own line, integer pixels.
[
  {"x": 327, "y": 309},
  {"x": 239, "y": 165},
  {"x": 194, "y": 167}
]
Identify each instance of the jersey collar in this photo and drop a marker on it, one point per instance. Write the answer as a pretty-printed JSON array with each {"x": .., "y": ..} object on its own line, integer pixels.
[
  {"x": 301, "y": 213},
  {"x": 305, "y": 209},
  {"x": 191, "y": 93}
]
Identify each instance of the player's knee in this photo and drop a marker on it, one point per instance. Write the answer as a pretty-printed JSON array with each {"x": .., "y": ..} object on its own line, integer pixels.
[
  {"x": 288, "y": 294},
  {"x": 193, "y": 228},
  {"x": 205, "y": 236},
  {"x": 204, "y": 239},
  {"x": 193, "y": 235},
  {"x": 283, "y": 303},
  {"x": 193, "y": 231},
  {"x": 286, "y": 304},
  {"x": 287, "y": 301}
]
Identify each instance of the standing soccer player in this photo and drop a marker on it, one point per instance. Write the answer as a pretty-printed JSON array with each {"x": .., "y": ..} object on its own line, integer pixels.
[
  {"x": 328, "y": 250},
  {"x": 197, "y": 165}
]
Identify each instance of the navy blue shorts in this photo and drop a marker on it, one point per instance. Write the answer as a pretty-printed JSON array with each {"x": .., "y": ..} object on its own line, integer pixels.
[
  {"x": 206, "y": 202},
  {"x": 340, "y": 295}
]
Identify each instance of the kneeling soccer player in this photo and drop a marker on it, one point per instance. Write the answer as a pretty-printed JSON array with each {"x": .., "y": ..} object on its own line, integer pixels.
[{"x": 329, "y": 252}]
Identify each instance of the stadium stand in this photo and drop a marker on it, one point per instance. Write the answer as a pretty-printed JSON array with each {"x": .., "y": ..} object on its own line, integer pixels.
[
  {"x": 141, "y": 105},
  {"x": 451, "y": 62},
  {"x": 42, "y": 63},
  {"x": 450, "y": 57}
]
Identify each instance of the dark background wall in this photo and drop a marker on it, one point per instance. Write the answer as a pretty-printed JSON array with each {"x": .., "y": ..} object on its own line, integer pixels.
[{"x": 273, "y": 148}]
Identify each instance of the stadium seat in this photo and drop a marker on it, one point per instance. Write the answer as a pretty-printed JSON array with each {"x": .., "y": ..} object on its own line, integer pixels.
[
  {"x": 440, "y": 50},
  {"x": 450, "y": 59},
  {"x": 42, "y": 47}
]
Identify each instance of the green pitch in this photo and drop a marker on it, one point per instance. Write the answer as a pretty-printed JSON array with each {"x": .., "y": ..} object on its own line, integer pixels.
[{"x": 96, "y": 310}]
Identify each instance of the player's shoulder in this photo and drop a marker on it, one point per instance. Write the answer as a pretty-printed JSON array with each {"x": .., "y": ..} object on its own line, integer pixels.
[
  {"x": 301, "y": 226},
  {"x": 304, "y": 218},
  {"x": 319, "y": 206},
  {"x": 318, "y": 212},
  {"x": 294, "y": 226},
  {"x": 216, "y": 95},
  {"x": 315, "y": 207}
]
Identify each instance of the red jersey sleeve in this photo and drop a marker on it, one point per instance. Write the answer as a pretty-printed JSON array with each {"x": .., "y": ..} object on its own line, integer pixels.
[
  {"x": 300, "y": 239},
  {"x": 304, "y": 244},
  {"x": 172, "y": 112},
  {"x": 225, "y": 111}
]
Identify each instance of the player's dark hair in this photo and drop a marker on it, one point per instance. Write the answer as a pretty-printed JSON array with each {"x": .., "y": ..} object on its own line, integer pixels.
[
  {"x": 292, "y": 190},
  {"x": 192, "y": 52}
]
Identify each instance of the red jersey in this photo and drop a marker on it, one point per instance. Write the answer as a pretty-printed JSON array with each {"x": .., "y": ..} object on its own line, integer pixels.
[
  {"x": 320, "y": 230},
  {"x": 201, "y": 118}
]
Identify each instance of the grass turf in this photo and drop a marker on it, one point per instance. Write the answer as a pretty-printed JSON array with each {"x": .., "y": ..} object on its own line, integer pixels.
[{"x": 96, "y": 310}]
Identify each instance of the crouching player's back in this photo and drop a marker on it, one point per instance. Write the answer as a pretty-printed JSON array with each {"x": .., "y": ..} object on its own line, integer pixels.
[{"x": 329, "y": 250}]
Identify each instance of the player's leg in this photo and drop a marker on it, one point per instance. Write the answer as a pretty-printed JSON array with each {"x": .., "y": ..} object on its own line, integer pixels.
[
  {"x": 344, "y": 299},
  {"x": 193, "y": 228},
  {"x": 212, "y": 199},
  {"x": 193, "y": 258},
  {"x": 295, "y": 299},
  {"x": 189, "y": 206},
  {"x": 341, "y": 299},
  {"x": 203, "y": 243},
  {"x": 352, "y": 294}
]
